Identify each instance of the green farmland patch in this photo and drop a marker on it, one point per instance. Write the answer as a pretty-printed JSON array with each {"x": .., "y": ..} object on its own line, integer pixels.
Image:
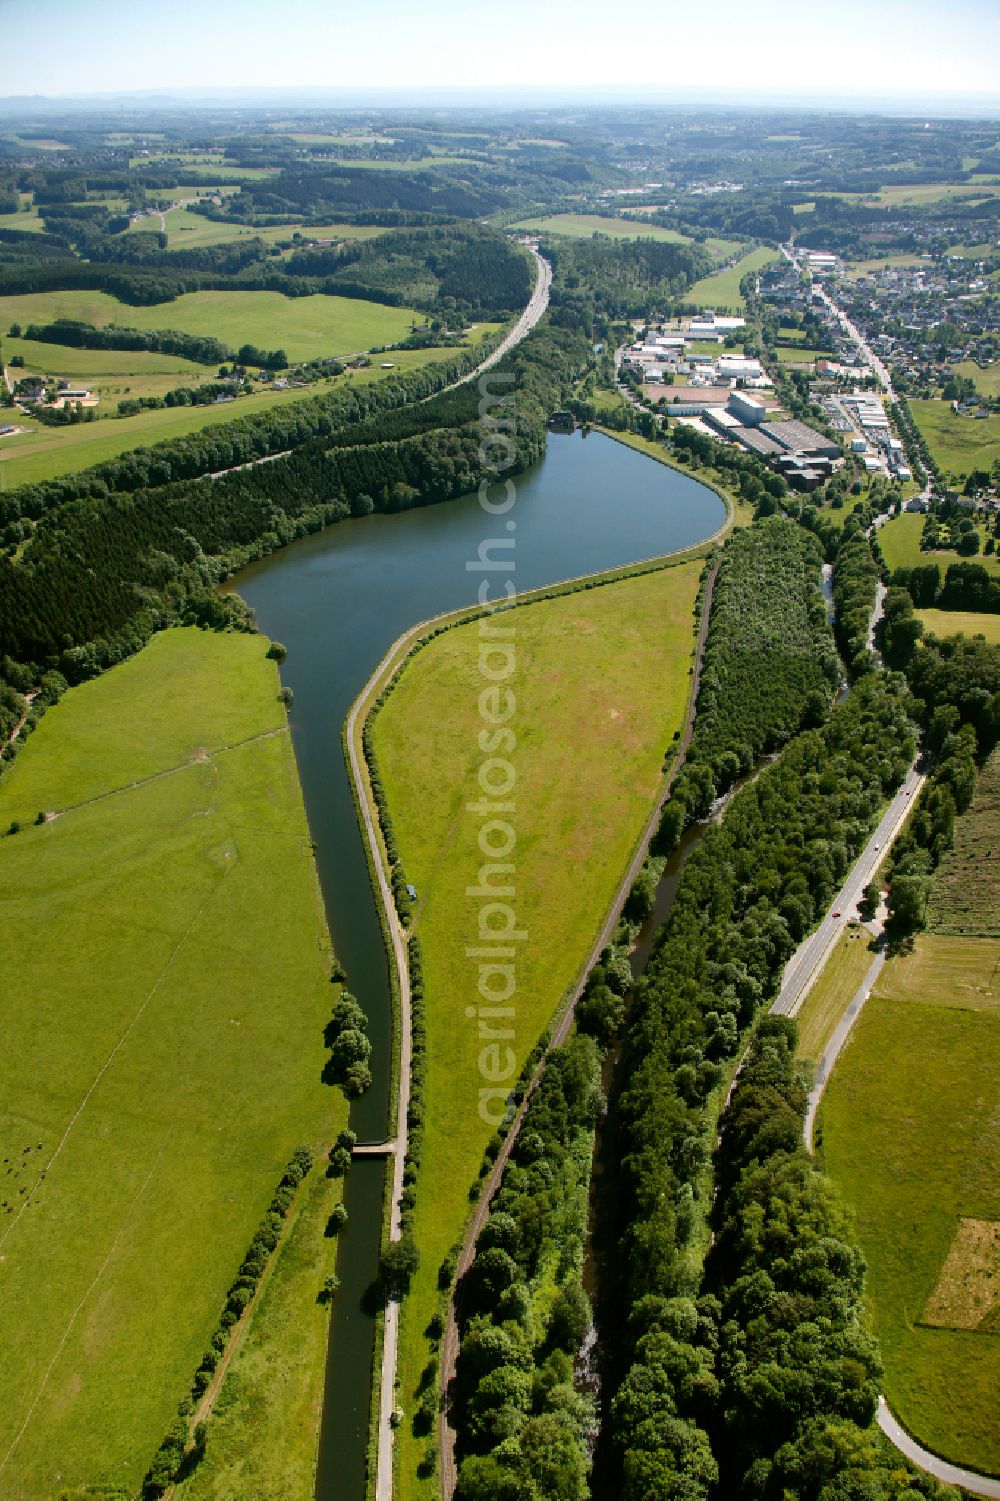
[
  {"x": 722, "y": 290},
  {"x": 959, "y": 443},
  {"x": 305, "y": 327},
  {"x": 911, "y": 1135},
  {"x": 166, "y": 966}
]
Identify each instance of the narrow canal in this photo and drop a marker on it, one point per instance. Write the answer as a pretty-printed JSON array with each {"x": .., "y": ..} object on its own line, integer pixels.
[{"x": 337, "y": 601}]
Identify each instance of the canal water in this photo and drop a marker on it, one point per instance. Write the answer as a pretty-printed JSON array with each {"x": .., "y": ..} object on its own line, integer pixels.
[{"x": 337, "y": 600}]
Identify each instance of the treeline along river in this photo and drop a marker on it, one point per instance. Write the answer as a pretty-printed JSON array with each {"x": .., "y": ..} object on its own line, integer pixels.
[{"x": 337, "y": 600}]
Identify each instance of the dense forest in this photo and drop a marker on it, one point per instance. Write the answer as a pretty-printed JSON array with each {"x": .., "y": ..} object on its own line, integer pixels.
[
  {"x": 747, "y": 895},
  {"x": 449, "y": 268},
  {"x": 769, "y": 667},
  {"x": 523, "y": 1426},
  {"x": 100, "y": 573}
]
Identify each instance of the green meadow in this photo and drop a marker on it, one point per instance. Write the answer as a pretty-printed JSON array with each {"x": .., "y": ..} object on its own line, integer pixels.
[
  {"x": 166, "y": 965},
  {"x": 899, "y": 540},
  {"x": 41, "y": 453},
  {"x": 959, "y": 443},
  {"x": 305, "y": 327},
  {"x": 910, "y": 1135},
  {"x": 580, "y": 225},
  {"x": 832, "y": 991},
  {"x": 722, "y": 290},
  {"x": 601, "y": 683}
]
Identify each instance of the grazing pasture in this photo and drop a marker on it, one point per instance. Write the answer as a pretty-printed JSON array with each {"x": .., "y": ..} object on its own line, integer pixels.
[
  {"x": 305, "y": 327},
  {"x": 722, "y": 290},
  {"x": 166, "y": 965},
  {"x": 911, "y": 1135}
]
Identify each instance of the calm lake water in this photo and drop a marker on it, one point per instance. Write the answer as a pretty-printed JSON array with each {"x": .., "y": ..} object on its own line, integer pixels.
[{"x": 338, "y": 600}]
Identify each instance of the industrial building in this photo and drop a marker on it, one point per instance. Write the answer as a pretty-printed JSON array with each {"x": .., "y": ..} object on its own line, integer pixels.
[
  {"x": 797, "y": 437},
  {"x": 750, "y": 411},
  {"x": 709, "y": 326}
]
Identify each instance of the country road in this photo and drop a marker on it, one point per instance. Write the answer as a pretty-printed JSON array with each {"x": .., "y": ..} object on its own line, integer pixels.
[
  {"x": 801, "y": 971},
  {"x": 807, "y": 961},
  {"x": 450, "y": 1342}
]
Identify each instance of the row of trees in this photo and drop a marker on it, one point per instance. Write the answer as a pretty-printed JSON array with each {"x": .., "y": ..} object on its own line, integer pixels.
[
  {"x": 797, "y": 1370},
  {"x": 855, "y": 591},
  {"x": 769, "y": 665},
  {"x": 967, "y": 586},
  {"x": 79, "y": 335},
  {"x": 746, "y": 896},
  {"x": 522, "y": 1425},
  {"x": 179, "y": 1452},
  {"x": 240, "y": 441}
]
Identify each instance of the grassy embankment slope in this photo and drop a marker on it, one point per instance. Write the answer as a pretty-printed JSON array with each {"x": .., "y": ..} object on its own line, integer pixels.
[
  {"x": 186, "y": 230},
  {"x": 630, "y": 228},
  {"x": 911, "y": 1135},
  {"x": 166, "y": 961},
  {"x": 42, "y": 453},
  {"x": 899, "y": 540},
  {"x": 722, "y": 290},
  {"x": 601, "y": 684},
  {"x": 830, "y": 994}
]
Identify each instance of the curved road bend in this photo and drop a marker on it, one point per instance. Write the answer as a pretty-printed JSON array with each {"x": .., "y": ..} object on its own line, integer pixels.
[
  {"x": 450, "y": 1342},
  {"x": 800, "y": 973},
  {"x": 968, "y": 1480},
  {"x": 537, "y": 304}
]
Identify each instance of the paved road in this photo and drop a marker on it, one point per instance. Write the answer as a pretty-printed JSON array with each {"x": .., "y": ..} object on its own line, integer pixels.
[
  {"x": 450, "y": 1341},
  {"x": 979, "y": 1485},
  {"x": 536, "y": 307},
  {"x": 851, "y": 329},
  {"x": 800, "y": 973},
  {"x": 805, "y": 964}
]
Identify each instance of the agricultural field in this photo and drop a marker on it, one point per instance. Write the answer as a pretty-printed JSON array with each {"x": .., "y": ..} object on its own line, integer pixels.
[
  {"x": 722, "y": 290},
  {"x": 166, "y": 980},
  {"x": 601, "y": 684},
  {"x": 965, "y": 898},
  {"x": 581, "y": 225},
  {"x": 305, "y": 327},
  {"x": 910, "y": 194},
  {"x": 973, "y": 252},
  {"x": 910, "y": 1135},
  {"x": 900, "y": 543},
  {"x": 26, "y": 221},
  {"x": 112, "y": 373},
  {"x": 884, "y": 263},
  {"x": 945, "y": 970},
  {"x": 987, "y": 380},
  {"x": 799, "y": 354},
  {"x": 831, "y": 993},
  {"x": 952, "y": 622},
  {"x": 186, "y": 230},
  {"x": 266, "y": 1417},
  {"x": 960, "y": 444},
  {"x": 42, "y": 453}
]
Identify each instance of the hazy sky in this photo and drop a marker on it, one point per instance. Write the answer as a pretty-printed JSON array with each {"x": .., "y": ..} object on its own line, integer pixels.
[{"x": 875, "y": 48}]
